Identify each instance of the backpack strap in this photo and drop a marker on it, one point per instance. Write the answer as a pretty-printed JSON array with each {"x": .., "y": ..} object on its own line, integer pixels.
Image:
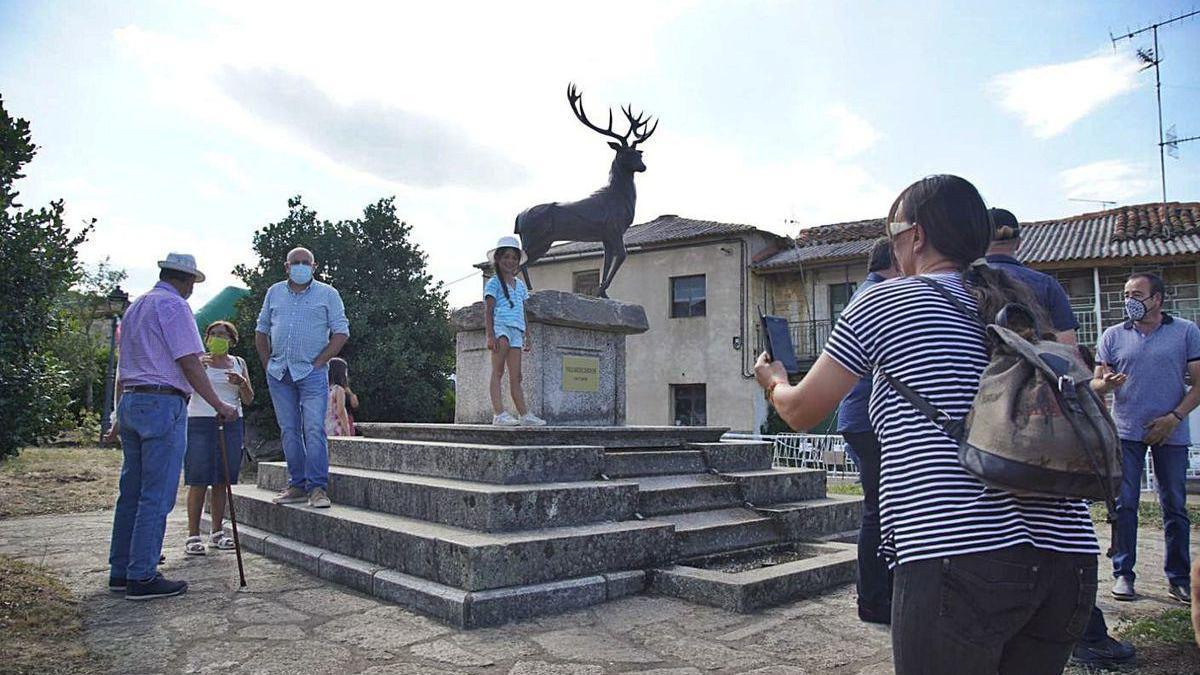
[
  {"x": 953, "y": 428},
  {"x": 953, "y": 299}
]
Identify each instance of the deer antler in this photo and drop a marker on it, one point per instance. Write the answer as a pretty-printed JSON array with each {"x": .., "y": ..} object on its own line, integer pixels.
[
  {"x": 576, "y": 101},
  {"x": 636, "y": 125}
]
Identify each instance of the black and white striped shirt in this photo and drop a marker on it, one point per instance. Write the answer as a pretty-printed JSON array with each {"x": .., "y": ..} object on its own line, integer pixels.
[{"x": 930, "y": 506}]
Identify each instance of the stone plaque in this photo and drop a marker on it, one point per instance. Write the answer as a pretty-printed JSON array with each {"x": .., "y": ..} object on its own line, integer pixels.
[{"x": 581, "y": 373}]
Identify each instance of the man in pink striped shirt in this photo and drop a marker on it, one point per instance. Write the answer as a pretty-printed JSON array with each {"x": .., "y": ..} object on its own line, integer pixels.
[{"x": 160, "y": 370}]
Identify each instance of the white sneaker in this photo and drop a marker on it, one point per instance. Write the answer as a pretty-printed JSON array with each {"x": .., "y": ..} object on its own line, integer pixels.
[
  {"x": 1123, "y": 589},
  {"x": 531, "y": 420},
  {"x": 505, "y": 419}
]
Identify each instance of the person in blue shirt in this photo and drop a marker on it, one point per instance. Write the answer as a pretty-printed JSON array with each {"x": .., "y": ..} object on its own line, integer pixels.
[
  {"x": 874, "y": 577},
  {"x": 1147, "y": 363},
  {"x": 1096, "y": 648},
  {"x": 301, "y": 326},
  {"x": 504, "y": 322}
]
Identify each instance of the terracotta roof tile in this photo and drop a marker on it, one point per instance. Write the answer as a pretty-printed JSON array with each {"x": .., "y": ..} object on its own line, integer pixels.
[{"x": 661, "y": 230}]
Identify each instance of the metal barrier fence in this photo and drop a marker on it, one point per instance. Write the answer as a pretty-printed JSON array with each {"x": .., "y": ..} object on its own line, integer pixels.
[{"x": 828, "y": 452}]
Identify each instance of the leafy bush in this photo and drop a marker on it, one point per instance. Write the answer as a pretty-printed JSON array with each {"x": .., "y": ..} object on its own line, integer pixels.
[{"x": 401, "y": 347}]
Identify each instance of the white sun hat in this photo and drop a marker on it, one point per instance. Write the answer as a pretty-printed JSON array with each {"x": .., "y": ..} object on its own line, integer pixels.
[
  {"x": 508, "y": 241},
  {"x": 182, "y": 262}
]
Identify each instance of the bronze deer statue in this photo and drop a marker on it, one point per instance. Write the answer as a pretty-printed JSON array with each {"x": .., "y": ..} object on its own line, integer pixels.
[{"x": 605, "y": 214}]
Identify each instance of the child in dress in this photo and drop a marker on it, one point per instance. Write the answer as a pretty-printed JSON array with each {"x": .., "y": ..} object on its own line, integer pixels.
[
  {"x": 504, "y": 321},
  {"x": 337, "y": 417}
]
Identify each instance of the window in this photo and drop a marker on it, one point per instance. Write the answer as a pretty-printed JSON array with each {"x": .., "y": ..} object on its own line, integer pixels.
[
  {"x": 688, "y": 408},
  {"x": 687, "y": 296},
  {"x": 586, "y": 282},
  {"x": 839, "y": 297}
]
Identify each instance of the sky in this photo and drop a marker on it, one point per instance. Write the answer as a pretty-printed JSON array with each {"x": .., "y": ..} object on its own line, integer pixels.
[{"x": 186, "y": 126}]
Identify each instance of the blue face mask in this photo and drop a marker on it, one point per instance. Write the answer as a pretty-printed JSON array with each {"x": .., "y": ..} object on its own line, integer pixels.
[
  {"x": 300, "y": 274},
  {"x": 1135, "y": 309}
]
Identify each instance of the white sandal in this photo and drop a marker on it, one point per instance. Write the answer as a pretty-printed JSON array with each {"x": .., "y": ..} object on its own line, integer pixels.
[
  {"x": 194, "y": 546},
  {"x": 222, "y": 541}
]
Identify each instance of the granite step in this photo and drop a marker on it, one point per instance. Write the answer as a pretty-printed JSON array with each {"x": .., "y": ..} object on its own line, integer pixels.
[
  {"x": 706, "y": 532},
  {"x": 744, "y": 581},
  {"x": 728, "y": 456},
  {"x": 772, "y": 486},
  {"x": 486, "y": 434},
  {"x": 458, "y": 557},
  {"x": 501, "y": 464},
  {"x": 459, "y": 608},
  {"x": 684, "y": 492},
  {"x": 486, "y": 507},
  {"x": 653, "y": 463},
  {"x": 816, "y": 518}
]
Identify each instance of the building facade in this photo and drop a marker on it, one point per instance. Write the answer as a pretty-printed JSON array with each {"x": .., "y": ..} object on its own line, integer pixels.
[{"x": 694, "y": 364}]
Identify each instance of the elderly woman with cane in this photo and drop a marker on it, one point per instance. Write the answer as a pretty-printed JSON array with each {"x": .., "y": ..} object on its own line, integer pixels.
[{"x": 205, "y": 464}]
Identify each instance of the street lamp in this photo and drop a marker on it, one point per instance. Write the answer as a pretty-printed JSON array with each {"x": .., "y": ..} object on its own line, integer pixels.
[{"x": 118, "y": 301}]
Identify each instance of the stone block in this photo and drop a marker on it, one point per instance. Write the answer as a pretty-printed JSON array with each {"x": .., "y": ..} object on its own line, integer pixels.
[
  {"x": 817, "y": 517},
  {"x": 696, "y": 492},
  {"x": 437, "y": 600},
  {"x": 565, "y": 331},
  {"x": 656, "y": 437},
  {"x": 622, "y": 584},
  {"x": 489, "y": 463},
  {"x": 347, "y": 571},
  {"x": 653, "y": 463},
  {"x": 502, "y": 605},
  {"x": 304, "y": 556},
  {"x": 730, "y": 456},
  {"x": 778, "y": 485}
]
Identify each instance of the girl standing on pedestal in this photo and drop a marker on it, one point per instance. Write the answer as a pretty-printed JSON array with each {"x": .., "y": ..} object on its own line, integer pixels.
[{"x": 504, "y": 321}]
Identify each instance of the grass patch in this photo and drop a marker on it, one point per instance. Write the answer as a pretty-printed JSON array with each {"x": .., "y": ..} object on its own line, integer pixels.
[
  {"x": 1173, "y": 626},
  {"x": 1149, "y": 514},
  {"x": 40, "y": 623},
  {"x": 844, "y": 488},
  {"x": 58, "y": 480}
]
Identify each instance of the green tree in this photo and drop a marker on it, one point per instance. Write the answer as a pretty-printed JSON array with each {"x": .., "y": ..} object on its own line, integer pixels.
[
  {"x": 81, "y": 343},
  {"x": 401, "y": 348},
  {"x": 40, "y": 264}
]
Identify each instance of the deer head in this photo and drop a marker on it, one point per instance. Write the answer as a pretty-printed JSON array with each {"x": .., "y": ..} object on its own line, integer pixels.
[{"x": 628, "y": 156}]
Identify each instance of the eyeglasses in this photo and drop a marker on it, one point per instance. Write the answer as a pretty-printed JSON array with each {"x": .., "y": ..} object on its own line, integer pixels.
[{"x": 895, "y": 229}]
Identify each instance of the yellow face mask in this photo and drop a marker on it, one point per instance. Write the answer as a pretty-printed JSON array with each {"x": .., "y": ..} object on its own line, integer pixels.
[{"x": 217, "y": 346}]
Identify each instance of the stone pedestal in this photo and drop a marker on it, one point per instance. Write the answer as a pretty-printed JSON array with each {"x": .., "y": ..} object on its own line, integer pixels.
[{"x": 575, "y": 373}]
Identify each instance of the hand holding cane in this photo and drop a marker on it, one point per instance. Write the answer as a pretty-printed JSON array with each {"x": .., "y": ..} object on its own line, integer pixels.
[{"x": 237, "y": 545}]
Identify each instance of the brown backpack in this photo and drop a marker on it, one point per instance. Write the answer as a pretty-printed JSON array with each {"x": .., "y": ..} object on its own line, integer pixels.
[{"x": 1035, "y": 428}]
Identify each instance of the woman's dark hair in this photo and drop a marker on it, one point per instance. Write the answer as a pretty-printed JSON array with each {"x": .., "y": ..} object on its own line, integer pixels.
[
  {"x": 955, "y": 220},
  {"x": 881, "y": 255},
  {"x": 496, "y": 266},
  {"x": 229, "y": 327},
  {"x": 339, "y": 372}
]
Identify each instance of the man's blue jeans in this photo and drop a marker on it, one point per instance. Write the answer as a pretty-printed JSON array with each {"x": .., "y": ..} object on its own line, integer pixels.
[
  {"x": 153, "y": 430},
  {"x": 300, "y": 410},
  {"x": 1170, "y": 469}
]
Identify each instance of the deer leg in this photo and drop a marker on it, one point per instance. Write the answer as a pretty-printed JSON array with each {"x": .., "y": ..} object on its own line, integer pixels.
[
  {"x": 618, "y": 257},
  {"x": 525, "y": 273},
  {"x": 604, "y": 274}
]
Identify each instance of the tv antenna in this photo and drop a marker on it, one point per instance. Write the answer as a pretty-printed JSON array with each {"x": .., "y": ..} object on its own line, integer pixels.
[
  {"x": 1152, "y": 59},
  {"x": 1105, "y": 203}
]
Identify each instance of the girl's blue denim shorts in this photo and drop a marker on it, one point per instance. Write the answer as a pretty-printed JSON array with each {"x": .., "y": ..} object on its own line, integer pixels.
[{"x": 202, "y": 461}]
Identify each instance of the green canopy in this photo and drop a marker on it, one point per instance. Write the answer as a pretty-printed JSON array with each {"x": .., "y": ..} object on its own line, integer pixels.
[{"x": 223, "y": 306}]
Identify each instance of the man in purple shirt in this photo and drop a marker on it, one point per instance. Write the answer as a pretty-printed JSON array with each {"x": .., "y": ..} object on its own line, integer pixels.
[{"x": 160, "y": 370}]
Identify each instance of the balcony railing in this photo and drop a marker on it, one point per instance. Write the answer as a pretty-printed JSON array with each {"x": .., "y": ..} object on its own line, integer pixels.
[{"x": 809, "y": 337}]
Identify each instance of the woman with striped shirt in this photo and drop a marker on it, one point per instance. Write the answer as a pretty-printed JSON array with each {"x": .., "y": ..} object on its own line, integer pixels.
[{"x": 985, "y": 581}]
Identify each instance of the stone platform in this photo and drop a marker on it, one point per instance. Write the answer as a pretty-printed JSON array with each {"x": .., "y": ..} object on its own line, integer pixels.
[{"x": 479, "y": 525}]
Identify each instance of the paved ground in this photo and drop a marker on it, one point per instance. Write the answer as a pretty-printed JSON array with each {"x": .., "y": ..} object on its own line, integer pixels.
[{"x": 288, "y": 621}]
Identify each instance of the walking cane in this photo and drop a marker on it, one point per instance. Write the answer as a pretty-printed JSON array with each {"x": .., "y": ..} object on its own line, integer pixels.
[{"x": 237, "y": 545}]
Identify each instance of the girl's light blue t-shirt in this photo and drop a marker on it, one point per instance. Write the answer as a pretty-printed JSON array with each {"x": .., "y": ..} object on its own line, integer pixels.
[{"x": 505, "y": 315}]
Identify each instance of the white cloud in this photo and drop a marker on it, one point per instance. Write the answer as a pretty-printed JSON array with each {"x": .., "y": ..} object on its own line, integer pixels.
[
  {"x": 1049, "y": 99},
  {"x": 1111, "y": 180},
  {"x": 852, "y": 133},
  {"x": 229, "y": 167}
]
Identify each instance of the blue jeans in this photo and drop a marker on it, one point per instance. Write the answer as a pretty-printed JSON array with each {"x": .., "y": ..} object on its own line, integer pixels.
[
  {"x": 153, "y": 430},
  {"x": 874, "y": 577},
  {"x": 1170, "y": 468},
  {"x": 300, "y": 409}
]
